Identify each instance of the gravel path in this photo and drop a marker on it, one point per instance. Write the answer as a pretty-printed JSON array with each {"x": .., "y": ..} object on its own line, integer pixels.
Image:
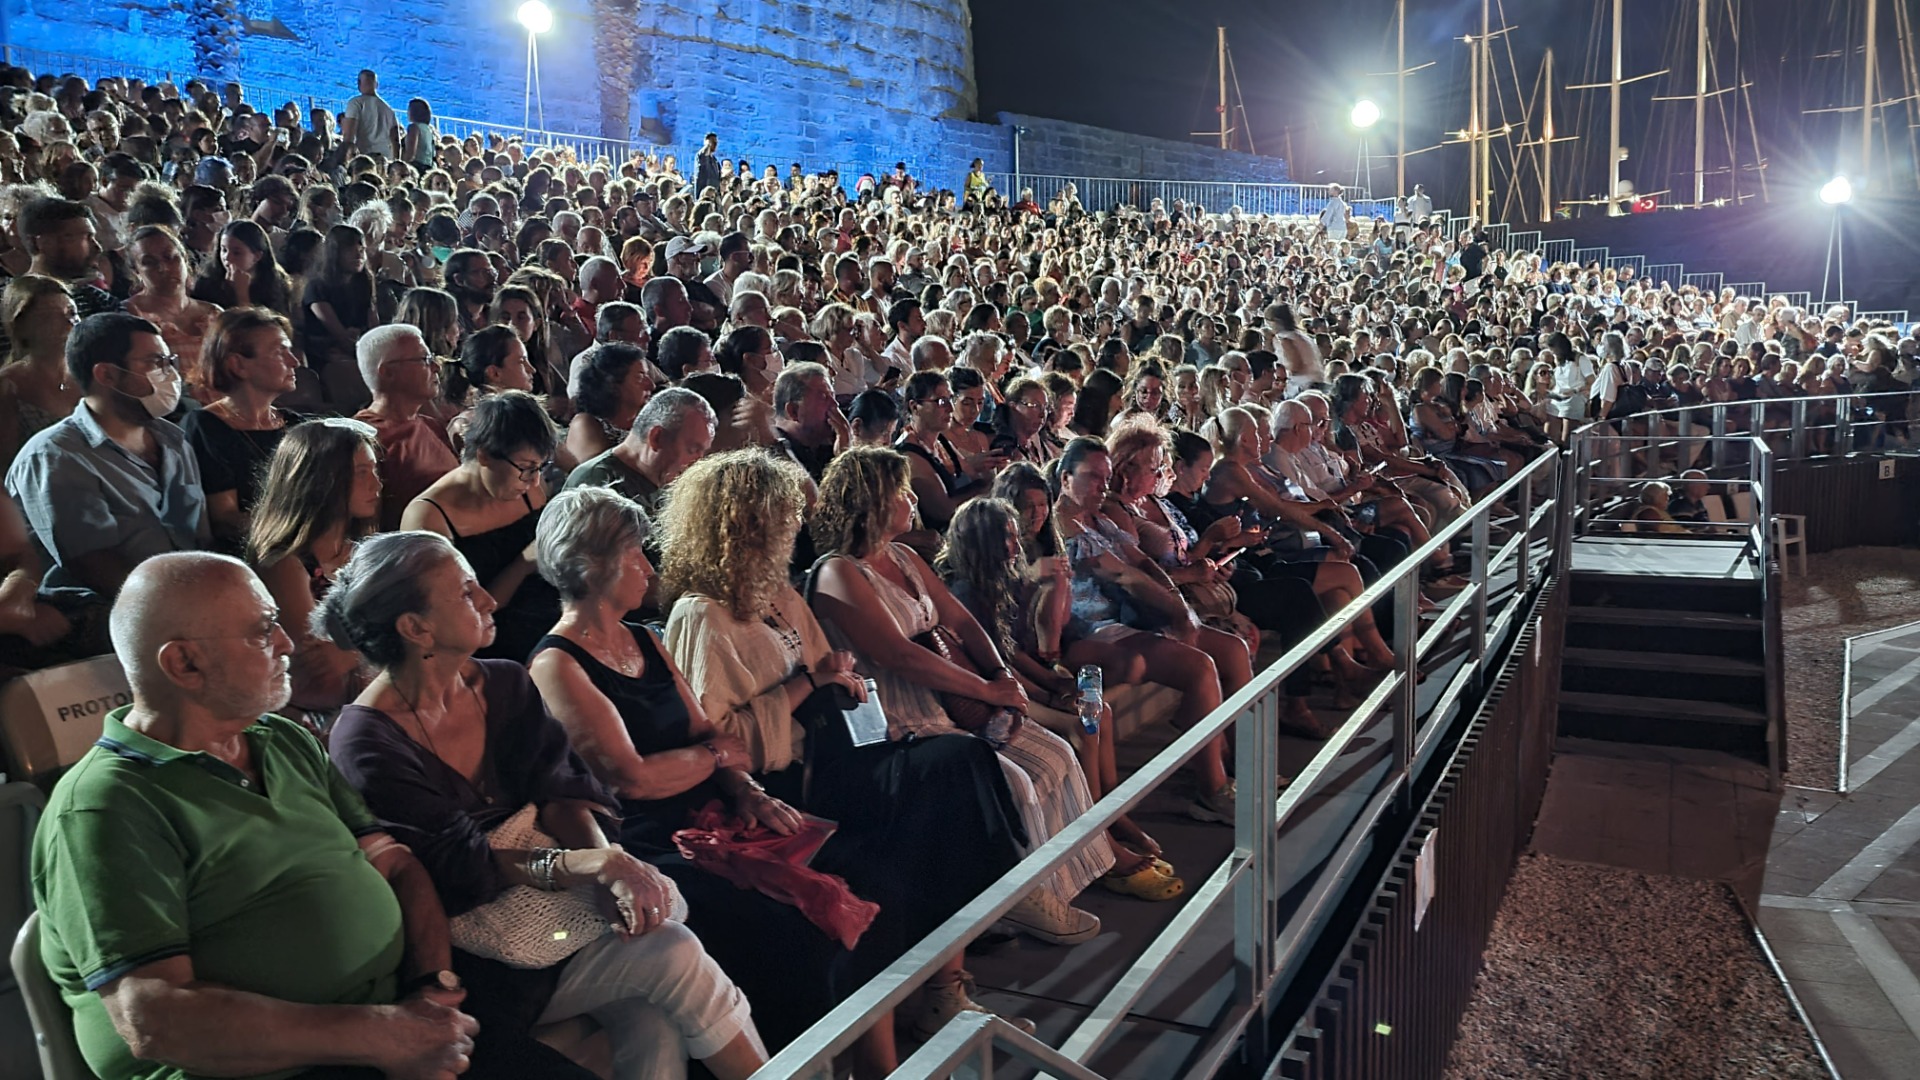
[
  {"x": 1845, "y": 593},
  {"x": 1599, "y": 972}
]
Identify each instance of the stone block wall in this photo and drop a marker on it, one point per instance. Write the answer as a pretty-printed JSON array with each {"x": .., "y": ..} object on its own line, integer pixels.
[{"x": 849, "y": 84}]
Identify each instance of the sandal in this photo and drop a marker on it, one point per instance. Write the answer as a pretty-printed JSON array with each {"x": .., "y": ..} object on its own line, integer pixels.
[{"x": 1147, "y": 883}]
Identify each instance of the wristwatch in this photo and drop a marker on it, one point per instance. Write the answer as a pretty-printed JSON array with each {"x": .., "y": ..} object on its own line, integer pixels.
[{"x": 431, "y": 980}]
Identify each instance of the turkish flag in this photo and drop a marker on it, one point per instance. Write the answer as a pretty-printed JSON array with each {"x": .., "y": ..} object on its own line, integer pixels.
[{"x": 1646, "y": 204}]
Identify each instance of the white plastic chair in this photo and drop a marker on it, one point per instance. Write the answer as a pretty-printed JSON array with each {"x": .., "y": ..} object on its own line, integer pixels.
[{"x": 1789, "y": 534}]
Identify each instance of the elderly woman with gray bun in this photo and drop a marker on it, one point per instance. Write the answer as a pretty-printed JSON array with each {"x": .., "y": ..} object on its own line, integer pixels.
[{"x": 445, "y": 748}]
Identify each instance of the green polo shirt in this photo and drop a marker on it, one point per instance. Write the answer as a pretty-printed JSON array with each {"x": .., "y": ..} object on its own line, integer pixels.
[{"x": 147, "y": 852}]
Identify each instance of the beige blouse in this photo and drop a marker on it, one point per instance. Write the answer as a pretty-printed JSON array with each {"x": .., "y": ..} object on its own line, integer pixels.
[{"x": 736, "y": 669}]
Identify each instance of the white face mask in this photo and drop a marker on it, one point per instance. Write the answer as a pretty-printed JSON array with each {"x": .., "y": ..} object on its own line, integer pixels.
[{"x": 166, "y": 391}]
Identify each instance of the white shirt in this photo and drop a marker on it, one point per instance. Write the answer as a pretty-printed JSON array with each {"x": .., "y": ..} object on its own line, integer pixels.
[
  {"x": 1571, "y": 379},
  {"x": 1333, "y": 218},
  {"x": 1420, "y": 205},
  {"x": 722, "y": 288}
]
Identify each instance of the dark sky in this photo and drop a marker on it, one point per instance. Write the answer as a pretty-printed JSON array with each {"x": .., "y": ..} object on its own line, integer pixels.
[{"x": 1147, "y": 66}]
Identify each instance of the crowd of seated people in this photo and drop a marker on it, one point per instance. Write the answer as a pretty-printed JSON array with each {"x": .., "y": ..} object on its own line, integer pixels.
[{"x": 534, "y": 489}]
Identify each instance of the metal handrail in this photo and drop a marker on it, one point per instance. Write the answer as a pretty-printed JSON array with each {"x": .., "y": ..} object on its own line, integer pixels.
[
  {"x": 1105, "y": 192},
  {"x": 1853, "y": 416},
  {"x": 1265, "y": 951}
]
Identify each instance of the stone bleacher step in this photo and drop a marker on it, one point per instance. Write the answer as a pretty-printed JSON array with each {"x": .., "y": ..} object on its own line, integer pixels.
[
  {"x": 1653, "y": 708},
  {"x": 1681, "y": 663}
]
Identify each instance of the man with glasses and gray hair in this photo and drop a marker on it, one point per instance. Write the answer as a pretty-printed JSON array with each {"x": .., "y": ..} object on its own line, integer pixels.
[{"x": 114, "y": 483}]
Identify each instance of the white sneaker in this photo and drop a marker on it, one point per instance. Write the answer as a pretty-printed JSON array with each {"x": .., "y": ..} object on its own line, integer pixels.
[
  {"x": 944, "y": 1002},
  {"x": 1215, "y": 806},
  {"x": 1045, "y": 916}
]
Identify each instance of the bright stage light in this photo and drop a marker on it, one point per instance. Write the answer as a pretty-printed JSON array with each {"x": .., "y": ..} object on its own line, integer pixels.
[
  {"x": 1836, "y": 191},
  {"x": 1365, "y": 114},
  {"x": 536, "y": 17}
]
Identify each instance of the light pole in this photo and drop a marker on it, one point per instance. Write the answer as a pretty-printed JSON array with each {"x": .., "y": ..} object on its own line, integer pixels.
[
  {"x": 1837, "y": 193},
  {"x": 1365, "y": 114},
  {"x": 538, "y": 19}
]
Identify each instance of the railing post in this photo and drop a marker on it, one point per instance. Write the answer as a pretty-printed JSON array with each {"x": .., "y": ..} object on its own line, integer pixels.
[
  {"x": 1524, "y": 565},
  {"x": 1482, "y": 554},
  {"x": 1843, "y": 427},
  {"x": 1254, "y": 827},
  {"x": 1406, "y": 655},
  {"x": 1757, "y": 419},
  {"x": 1797, "y": 444},
  {"x": 1720, "y": 435}
]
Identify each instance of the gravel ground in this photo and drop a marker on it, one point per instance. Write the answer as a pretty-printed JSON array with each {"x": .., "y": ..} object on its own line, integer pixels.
[
  {"x": 1845, "y": 593},
  {"x": 1595, "y": 972}
]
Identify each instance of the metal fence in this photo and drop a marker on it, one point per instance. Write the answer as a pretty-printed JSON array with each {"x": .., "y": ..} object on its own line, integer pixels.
[
  {"x": 1106, "y": 192},
  {"x": 1276, "y": 905}
]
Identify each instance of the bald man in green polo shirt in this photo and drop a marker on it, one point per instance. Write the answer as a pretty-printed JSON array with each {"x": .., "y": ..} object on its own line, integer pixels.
[{"x": 215, "y": 899}]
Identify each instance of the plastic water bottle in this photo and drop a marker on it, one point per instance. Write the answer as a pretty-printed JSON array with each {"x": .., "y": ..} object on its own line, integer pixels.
[{"x": 1091, "y": 682}]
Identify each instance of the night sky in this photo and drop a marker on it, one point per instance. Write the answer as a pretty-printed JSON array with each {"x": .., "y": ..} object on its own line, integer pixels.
[{"x": 1147, "y": 66}]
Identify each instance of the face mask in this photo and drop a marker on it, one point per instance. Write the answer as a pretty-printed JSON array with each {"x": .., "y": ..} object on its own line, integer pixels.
[
  {"x": 440, "y": 254},
  {"x": 166, "y": 391}
]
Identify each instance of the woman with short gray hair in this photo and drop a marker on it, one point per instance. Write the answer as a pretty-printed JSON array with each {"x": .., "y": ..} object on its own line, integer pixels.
[
  {"x": 447, "y": 748},
  {"x": 630, "y": 714}
]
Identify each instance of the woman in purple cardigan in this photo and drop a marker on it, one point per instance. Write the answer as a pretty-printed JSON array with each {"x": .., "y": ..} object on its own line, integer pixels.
[{"x": 445, "y": 747}]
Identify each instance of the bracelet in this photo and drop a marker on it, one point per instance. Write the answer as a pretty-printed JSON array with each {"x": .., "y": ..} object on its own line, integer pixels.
[
  {"x": 719, "y": 756},
  {"x": 808, "y": 672},
  {"x": 541, "y": 866}
]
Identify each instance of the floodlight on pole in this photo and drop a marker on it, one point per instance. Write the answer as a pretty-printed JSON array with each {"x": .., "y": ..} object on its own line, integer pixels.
[
  {"x": 1837, "y": 193},
  {"x": 1365, "y": 114},
  {"x": 535, "y": 16},
  {"x": 538, "y": 19}
]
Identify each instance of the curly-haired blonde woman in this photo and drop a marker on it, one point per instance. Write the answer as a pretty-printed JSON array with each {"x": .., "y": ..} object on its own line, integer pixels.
[{"x": 925, "y": 825}]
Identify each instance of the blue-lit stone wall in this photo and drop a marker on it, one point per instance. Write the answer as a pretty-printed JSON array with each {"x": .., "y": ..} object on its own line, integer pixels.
[{"x": 851, "y": 84}]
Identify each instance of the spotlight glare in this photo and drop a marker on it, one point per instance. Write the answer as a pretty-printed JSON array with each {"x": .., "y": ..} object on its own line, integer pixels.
[
  {"x": 535, "y": 16},
  {"x": 1836, "y": 191},
  {"x": 1365, "y": 114}
]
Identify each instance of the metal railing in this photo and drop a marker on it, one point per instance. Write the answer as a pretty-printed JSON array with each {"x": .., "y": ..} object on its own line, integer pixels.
[
  {"x": 1106, "y": 192},
  {"x": 1600, "y": 498},
  {"x": 1270, "y": 942},
  {"x": 584, "y": 149}
]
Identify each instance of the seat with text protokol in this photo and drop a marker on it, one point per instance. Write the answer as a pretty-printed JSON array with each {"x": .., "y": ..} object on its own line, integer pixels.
[{"x": 49, "y": 718}]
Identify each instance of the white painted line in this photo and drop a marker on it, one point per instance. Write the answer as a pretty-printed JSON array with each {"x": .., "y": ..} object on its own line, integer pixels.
[
  {"x": 1886, "y": 687},
  {"x": 1876, "y": 953},
  {"x": 1852, "y": 879},
  {"x": 1896, "y": 909},
  {"x": 1883, "y": 755}
]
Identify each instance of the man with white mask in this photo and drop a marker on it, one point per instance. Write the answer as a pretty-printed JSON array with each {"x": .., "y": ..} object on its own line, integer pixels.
[{"x": 113, "y": 484}]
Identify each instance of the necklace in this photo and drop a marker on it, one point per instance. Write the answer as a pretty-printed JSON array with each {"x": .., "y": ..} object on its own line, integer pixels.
[
  {"x": 630, "y": 666},
  {"x": 788, "y": 635}
]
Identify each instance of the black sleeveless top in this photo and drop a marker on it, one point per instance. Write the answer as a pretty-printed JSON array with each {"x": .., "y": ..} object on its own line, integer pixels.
[
  {"x": 950, "y": 479},
  {"x": 534, "y": 607},
  {"x": 656, "y": 720}
]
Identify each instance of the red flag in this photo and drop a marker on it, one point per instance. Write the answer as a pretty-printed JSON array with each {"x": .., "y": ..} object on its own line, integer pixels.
[{"x": 1646, "y": 204}]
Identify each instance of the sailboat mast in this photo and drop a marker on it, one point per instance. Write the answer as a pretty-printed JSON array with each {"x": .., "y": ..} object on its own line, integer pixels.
[
  {"x": 1485, "y": 147},
  {"x": 1700, "y": 109},
  {"x": 1871, "y": 48},
  {"x": 1473, "y": 134},
  {"x": 1546, "y": 147},
  {"x": 1400, "y": 103},
  {"x": 1221, "y": 34},
  {"x": 1613, "y": 124}
]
